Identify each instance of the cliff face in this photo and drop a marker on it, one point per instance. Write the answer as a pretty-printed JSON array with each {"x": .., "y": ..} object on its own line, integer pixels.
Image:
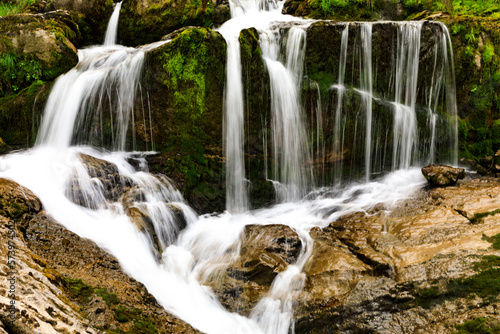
[{"x": 62, "y": 283}]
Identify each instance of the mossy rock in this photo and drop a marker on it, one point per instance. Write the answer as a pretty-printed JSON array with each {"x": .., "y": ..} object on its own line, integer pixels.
[
  {"x": 15, "y": 200},
  {"x": 20, "y": 114},
  {"x": 185, "y": 79},
  {"x": 33, "y": 47},
  {"x": 143, "y": 22},
  {"x": 87, "y": 18}
]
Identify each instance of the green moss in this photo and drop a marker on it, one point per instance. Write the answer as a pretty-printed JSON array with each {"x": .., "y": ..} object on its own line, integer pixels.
[
  {"x": 485, "y": 284},
  {"x": 495, "y": 240},
  {"x": 79, "y": 290},
  {"x": 142, "y": 323},
  {"x": 185, "y": 79},
  {"x": 109, "y": 298},
  {"x": 478, "y": 217},
  {"x": 480, "y": 325},
  {"x": 140, "y": 25}
]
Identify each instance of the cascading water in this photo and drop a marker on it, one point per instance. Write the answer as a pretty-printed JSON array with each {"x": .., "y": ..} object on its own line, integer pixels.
[
  {"x": 289, "y": 140},
  {"x": 94, "y": 104},
  {"x": 405, "y": 120}
]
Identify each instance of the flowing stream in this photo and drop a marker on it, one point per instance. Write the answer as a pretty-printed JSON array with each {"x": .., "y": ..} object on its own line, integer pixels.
[{"x": 175, "y": 264}]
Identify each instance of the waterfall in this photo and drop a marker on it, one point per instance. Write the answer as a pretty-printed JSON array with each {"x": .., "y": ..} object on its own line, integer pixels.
[
  {"x": 289, "y": 139},
  {"x": 405, "y": 120},
  {"x": 366, "y": 87},
  {"x": 112, "y": 29},
  {"x": 338, "y": 141},
  {"x": 138, "y": 217}
]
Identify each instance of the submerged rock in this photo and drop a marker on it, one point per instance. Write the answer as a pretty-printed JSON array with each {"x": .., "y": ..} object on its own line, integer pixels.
[
  {"x": 442, "y": 176},
  {"x": 266, "y": 251}
]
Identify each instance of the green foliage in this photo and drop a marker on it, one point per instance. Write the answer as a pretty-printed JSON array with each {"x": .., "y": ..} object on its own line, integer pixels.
[
  {"x": 14, "y": 7},
  {"x": 18, "y": 72},
  {"x": 488, "y": 54},
  {"x": 478, "y": 326}
]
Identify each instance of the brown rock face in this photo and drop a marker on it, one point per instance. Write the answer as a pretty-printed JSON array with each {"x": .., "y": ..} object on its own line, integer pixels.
[{"x": 442, "y": 176}]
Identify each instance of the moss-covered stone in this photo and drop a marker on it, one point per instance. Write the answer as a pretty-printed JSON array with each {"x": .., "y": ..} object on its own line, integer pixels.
[
  {"x": 143, "y": 22},
  {"x": 20, "y": 114},
  {"x": 88, "y": 19},
  {"x": 33, "y": 47},
  {"x": 185, "y": 81}
]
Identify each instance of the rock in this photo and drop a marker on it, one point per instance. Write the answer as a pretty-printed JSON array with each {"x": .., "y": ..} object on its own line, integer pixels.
[
  {"x": 107, "y": 185},
  {"x": 486, "y": 161},
  {"x": 87, "y": 18},
  {"x": 184, "y": 80},
  {"x": 146, "y": 21},
  {"x": 4, "y": 148},
  {"x": 266, "y": 251},
  {"x": 15, "y": 200},
  {"x": 442, "y": 176},
  {"x": 37, "y": 47}
]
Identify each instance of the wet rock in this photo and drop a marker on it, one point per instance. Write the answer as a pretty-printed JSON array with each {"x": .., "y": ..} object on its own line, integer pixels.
[
  {"x": 103, "y": 184},
  {"x": 266, "y": 251},
  {"x": 146, "y": 21},
  {"x": 87, "y": 18},
  {"x": 442, "y": 176},
  {"x": 134, "y": 206},
  {"x": 15, "y": 200},
  {"x": 4, "y": 148}
]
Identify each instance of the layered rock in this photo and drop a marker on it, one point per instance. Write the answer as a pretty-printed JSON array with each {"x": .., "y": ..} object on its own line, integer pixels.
[
  {"x": 64, "y": 283},
  {"x": 420, "y": 269}
]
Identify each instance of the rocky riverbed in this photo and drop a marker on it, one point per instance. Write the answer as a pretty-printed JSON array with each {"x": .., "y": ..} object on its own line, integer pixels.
[{"x": 426, "y": 266}]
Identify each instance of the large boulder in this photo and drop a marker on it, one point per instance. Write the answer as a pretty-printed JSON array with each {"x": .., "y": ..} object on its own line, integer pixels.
[
  {"x": 266, "y": 251},
  {"x": 34, "y": 50},
  {"x": 186, "y": 92},
  {"x": 146, "y": 21},
  {"x": 87, "y": 18},
  {"x": 442, "y": 176}
]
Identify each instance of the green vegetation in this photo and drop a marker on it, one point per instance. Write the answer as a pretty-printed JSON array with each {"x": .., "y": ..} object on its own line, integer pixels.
[
  {"x": 485, "y": 284},
  {"x": 14, "y": 6},
  {"x": 495, "y": 240},
  {"x": 82, "y": 292},
  {"x": 17, "y": 73},
  {"x": 478, "y": 217},
  {"x": 79, "y": 290},
  {"x": 479, "y": 326}
]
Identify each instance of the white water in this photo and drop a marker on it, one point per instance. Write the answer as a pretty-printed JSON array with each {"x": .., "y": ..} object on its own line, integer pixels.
[
  {"x": 338, "y": 141},
  {"x": 290, "y": 147},
  {"x": 366, "y": 85},
  {"x": 405, "y": 119},
  {"x": 200, "y": 251},
  {"x": 112, "y": 30}
]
